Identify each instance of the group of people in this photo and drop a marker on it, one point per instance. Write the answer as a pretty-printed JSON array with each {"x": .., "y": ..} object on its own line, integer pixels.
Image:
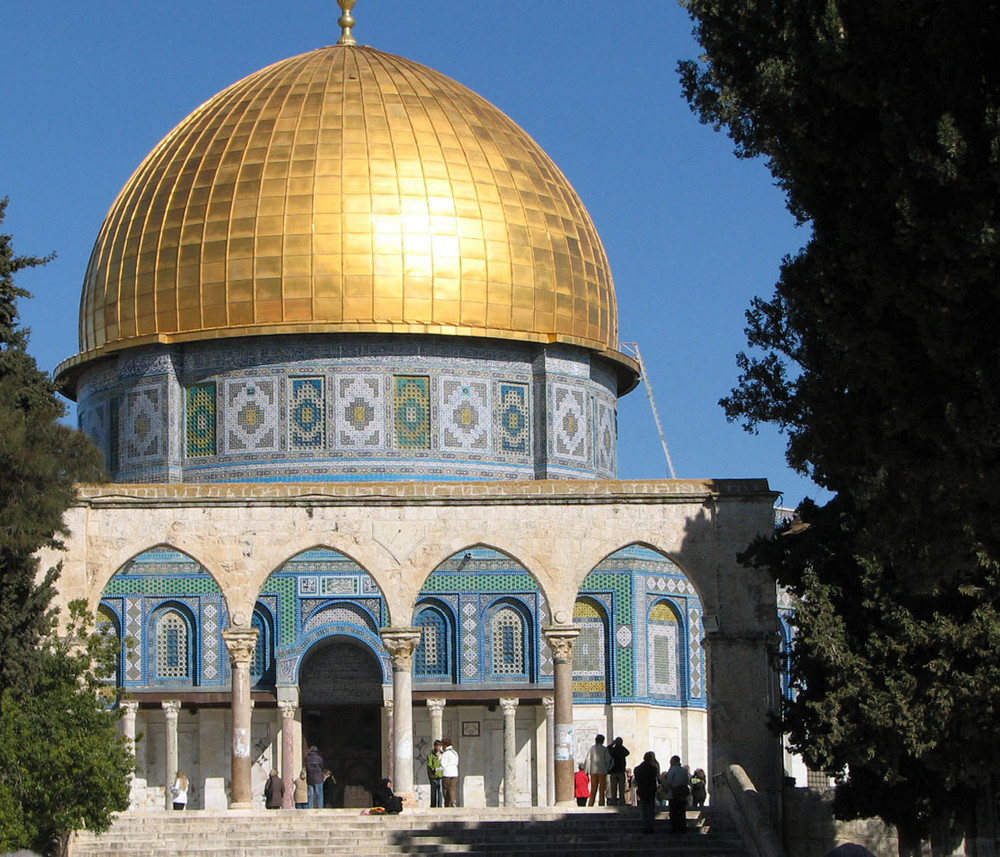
[
  {"x": 442, "y": 773},
  {"x": 315, "y": 786},
  {"x": 603, "y": 777}
]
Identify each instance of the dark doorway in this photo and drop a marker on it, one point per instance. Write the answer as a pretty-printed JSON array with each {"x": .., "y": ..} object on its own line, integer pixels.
[{"x": 340, "y": 688}]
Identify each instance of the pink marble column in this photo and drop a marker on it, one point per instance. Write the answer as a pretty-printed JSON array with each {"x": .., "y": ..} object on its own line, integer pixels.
[
  {"x": 288, "y": 710},
  {"x": 240, "y": 642},
  {"x": 560, "y": 639}
]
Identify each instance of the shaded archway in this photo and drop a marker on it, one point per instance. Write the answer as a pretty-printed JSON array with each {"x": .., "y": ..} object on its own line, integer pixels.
[{"x": 340, "y": 691}]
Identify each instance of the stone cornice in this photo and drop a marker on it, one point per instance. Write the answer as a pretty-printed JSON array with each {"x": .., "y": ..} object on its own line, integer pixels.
[{"x": 333, "y": 494}]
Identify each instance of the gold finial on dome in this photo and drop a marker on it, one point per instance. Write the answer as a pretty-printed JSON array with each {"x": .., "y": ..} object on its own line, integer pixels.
[{"x": 346, "y": 22}]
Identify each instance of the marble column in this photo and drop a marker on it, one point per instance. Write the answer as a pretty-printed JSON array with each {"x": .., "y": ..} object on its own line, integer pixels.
[
  {"x": 240, "y": 641},
  {"x": 400, "y": 643},
  {"x": 509, "y": 707},
  {"x": 435, "y": 708},
  {"x": 129, "y": 710},
  {"x": 288, "y": 710},
  {"x": 560, "y": 639},
  {"x": 550, "y": 756},
  {"x": 171, "y": 708}
]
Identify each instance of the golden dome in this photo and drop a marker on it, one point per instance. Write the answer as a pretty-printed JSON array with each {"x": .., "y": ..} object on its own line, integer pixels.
[{"x": 347, "y": 190}]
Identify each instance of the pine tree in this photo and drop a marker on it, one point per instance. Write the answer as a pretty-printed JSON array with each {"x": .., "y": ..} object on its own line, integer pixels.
[
  {"x": 877, "y": 354},
  {"x": 40, "y": 460}
]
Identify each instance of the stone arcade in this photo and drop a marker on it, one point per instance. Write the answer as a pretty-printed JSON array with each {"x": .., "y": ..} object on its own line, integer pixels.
[{"x": 348, "y": 340}]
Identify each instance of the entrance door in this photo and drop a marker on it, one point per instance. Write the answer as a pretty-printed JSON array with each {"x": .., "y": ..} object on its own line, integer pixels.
[{"x": 340, "y": 688}]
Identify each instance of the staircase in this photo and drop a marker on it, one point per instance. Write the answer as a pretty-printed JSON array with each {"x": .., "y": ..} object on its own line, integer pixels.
[{"x": 522, "y": 831}]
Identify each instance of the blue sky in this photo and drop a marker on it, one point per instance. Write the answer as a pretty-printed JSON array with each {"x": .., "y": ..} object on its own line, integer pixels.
[{"x": 692, "y": 232}]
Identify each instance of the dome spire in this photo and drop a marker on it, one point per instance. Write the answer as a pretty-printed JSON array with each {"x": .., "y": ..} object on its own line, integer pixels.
[{"x": 346, "y": 22}]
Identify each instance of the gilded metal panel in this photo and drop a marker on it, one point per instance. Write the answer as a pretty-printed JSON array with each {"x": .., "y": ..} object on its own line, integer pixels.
[{"x": 347, "y": 190}]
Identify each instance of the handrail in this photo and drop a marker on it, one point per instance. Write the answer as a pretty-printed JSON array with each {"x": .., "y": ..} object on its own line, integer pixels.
[{"x": 742, "y": 801}]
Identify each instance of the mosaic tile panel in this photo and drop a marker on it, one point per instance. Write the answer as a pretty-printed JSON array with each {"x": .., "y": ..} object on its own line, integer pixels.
[
  {"x": 605, "y": 432},
  {"x": 696, "y": 653},
  {"x": 144, "y": 424},
  {"x": 411, "y": 407},
  {"x": 133, "y": 632},
  {"x": 340, "y": 614},
  {"x": 210, "y": 658},
  {"x": 306, "y": 414},
  {"x": 569, "y": 422},
  {"x": 253, "y": 415},
  {"x": 200, "y": 421},
  {"x": 360, "y": 412},
  {"x": 512, "y": 420},
  {"x": 470, "y": 640},
  {"x": 114, "y": 434},
  {"x": 663, "y": 647},
  {"x": 465, "y": 415}
]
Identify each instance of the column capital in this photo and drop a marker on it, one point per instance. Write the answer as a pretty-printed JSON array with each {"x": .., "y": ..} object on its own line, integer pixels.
[
  {"x": 171, "y": 708},
  {"x": 401, "y": 643},
  {"x": 436, "y": 704},
  {"x": 560, "y": 639},
  {"x": 240, "y": 643},
  {"x": 549, "y": 703},
  {"x": 509, "y": 704},
  {"x": 288, "y": 709},
  {"x": 131, "y": 706}
]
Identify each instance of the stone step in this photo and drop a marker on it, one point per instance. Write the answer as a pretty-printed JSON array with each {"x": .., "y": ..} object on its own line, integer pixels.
[{"x": 522, "y": 831}]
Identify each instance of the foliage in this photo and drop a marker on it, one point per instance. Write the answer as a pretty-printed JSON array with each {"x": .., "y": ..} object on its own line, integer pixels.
[
  {"x": 877, "y": 355},
  {"x": 64, "y": 765},
  {"x": 40, "y": 460},
  {"x": 62, "y": 762}
]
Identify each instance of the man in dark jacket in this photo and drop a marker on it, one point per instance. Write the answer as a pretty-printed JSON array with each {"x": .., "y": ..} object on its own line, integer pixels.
[
  {"x": 314, "y": 776},
  {"x": 646, "y": 778},
  {"x": 616, "y": 773}
]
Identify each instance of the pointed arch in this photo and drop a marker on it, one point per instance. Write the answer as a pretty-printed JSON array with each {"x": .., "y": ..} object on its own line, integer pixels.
[
  {"x": 434, "y": 657},
  {"x": 592, "y": 680},
  {"x": 315, "y": 593},
  {"x": 171, "y": 612}
]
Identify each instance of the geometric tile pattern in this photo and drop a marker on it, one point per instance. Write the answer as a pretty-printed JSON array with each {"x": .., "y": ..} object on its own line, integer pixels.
[
  {"x": 252, "y": 416},
  {"x": 604, "y": 442},
  {"x": 569, "y": 422},
  {"x": 411, "y": 403},
  {"x": 360, "y": 412},
  {"x": 307, "y": 414},
  {"x": 144, "y": 421},
  {"x": 589, "y": 662},
  {"x": 114, "y": 434},
  {"x": 200, "y": 420},
  {"x": 513, "y": 429},
  {"x": 465, "y": 418},
  {"x": 664, "y": 645}
]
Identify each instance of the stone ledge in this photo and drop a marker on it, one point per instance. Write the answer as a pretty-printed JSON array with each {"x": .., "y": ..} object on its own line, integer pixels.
[{"x": 542, "y": 492}]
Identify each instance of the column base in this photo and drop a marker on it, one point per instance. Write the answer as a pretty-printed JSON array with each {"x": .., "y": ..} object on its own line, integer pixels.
[{"x": 242, "y": 805}]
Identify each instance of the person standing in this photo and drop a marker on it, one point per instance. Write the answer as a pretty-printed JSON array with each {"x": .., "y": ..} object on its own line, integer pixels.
[
  {"x": 302, "y": 791},
  {"x": 274, "y": 791},
  {"x": 699, "y": 788},
  {"x": 329, "y": 789},
  {"x": 677, "y": 784},
  {"x": 314, "y": 776},
  {"x": 582, "y": 786},
  {"x": 449, "y": 772},
  {"x": 179, "y": 790},
  {"x": 598, "y": 762},
  {"x": 616, "y": 773},
  {"x": 646, "y": 780},
  {"x": 434, "y": 775}
]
